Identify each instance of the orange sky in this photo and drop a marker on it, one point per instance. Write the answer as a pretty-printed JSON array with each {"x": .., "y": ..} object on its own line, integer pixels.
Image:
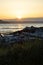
[{"x": 20, "y": 8}]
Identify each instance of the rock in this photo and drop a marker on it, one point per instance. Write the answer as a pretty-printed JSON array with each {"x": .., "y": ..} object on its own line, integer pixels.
[{"x": 23, "y": 35}]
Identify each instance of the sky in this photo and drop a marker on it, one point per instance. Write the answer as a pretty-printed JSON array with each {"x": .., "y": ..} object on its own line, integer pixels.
[{"x": 11, "y": 9}]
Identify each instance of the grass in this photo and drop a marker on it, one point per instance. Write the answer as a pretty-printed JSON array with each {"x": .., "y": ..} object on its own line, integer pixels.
[{"x": 24, "y": 53}]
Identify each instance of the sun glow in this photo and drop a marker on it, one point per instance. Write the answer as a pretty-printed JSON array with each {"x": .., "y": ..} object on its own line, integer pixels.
[
  {"x": 19, "y": 14},
  {"x": 10, "y": 9},
  {"x": 19, "y": 17}
]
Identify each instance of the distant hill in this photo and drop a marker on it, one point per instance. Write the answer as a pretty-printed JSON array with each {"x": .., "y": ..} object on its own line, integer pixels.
[
  {"x": 1, "y": 21},
  {"x": 23, "y": 20}
]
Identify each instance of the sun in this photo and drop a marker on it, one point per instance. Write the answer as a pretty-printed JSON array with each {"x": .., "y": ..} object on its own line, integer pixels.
[{"x": 19, "y": 15}]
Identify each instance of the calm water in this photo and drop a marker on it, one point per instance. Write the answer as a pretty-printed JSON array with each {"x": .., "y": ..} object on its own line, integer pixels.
[{"x": 14, "y": 27}]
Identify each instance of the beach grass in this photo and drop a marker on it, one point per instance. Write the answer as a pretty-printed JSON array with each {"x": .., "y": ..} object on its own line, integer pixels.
[{"x": 24, "y": 53}]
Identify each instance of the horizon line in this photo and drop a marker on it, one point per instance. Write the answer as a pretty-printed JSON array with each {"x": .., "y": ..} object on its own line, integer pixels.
[{"x": 21, "y": 18}]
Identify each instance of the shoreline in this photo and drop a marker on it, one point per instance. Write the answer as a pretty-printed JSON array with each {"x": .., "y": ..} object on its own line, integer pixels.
[
  {"x": 27, "y": 33},
  {"x": 23, "y": 47}
]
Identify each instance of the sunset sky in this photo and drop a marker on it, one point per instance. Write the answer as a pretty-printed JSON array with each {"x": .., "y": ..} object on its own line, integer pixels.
[{"x": 10, "y": 9}]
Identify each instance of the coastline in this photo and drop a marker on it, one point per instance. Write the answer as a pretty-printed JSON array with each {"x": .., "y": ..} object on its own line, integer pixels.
[
  {"x": 25, "y": 34},
  {"x": 23, "y": 47}
]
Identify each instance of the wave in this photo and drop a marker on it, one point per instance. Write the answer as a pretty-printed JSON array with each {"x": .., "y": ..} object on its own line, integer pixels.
[{"x": 10, "y": 28}]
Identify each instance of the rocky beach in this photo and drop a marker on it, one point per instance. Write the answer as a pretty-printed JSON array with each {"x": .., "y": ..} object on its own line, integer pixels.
[
  {"x": 22, "y": 35},
  {"x": 24, "y": 47}
]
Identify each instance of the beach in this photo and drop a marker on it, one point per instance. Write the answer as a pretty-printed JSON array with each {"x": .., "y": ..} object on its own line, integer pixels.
[{"x": 22, "y": 47}]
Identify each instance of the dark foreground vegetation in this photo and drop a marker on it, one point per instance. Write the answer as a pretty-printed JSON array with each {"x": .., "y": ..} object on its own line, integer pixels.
[{"x": 23, "y": 53}]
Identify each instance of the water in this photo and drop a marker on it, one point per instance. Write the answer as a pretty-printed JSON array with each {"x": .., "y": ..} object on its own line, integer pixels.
[{"x": 15, "y": 27}]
